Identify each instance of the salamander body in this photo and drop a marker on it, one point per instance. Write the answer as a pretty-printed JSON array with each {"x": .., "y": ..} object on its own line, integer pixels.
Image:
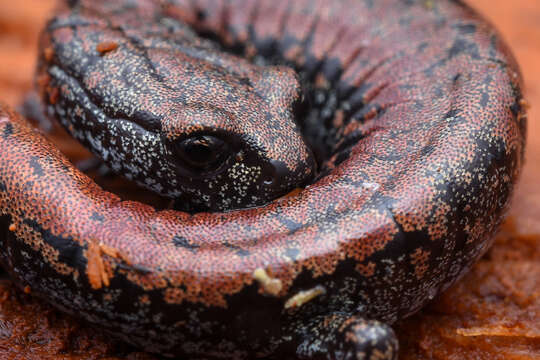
[{"x": 403, "y": 121}]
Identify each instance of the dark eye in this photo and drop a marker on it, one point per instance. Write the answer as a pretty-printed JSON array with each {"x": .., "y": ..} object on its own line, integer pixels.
[{"x": 203, "y": 152}]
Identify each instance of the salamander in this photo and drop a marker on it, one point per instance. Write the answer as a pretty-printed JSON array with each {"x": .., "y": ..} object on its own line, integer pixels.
[{"x": 400, "y": 123}]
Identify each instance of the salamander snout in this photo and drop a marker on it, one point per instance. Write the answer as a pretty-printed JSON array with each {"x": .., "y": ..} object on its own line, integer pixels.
[{"x": 279, "y": 180}]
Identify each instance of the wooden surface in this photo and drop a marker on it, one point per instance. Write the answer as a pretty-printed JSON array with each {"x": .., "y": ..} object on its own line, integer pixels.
[
  {"x": 492, "y": 313},
  {"x": 499, "y": 301}
]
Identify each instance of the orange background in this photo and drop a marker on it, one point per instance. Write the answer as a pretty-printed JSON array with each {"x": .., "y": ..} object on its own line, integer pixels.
[{"x": 493, "y": 313}]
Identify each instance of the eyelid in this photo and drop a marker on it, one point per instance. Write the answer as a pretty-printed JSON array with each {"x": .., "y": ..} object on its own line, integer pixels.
[{"x": 222, "y": 148}]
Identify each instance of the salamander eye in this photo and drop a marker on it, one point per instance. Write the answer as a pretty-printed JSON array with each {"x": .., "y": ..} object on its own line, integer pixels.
[{"x": 203, "y": 152}]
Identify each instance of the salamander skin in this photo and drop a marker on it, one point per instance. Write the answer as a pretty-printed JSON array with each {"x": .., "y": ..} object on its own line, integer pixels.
[{"x": 414, "y": 113}]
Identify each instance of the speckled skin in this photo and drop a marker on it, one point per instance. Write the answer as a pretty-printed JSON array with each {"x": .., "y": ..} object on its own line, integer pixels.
[
  {"x": 133, "y": 87},
  {"x": 416, "y": 121}
]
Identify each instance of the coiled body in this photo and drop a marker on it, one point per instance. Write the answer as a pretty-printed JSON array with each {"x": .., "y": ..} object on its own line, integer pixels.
[{"x": 421, "y": 143}]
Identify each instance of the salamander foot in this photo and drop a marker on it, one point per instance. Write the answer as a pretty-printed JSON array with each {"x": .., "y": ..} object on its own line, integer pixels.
[{"x": 347, "y": 338}]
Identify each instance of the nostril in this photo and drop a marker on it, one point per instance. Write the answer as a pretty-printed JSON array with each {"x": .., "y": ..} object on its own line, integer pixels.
[{"x": 276, "y": 174}]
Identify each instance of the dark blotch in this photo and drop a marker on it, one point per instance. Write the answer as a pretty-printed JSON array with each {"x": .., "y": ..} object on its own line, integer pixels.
[
  {"x": 36, "y": 166},
  {"x": 427, "y": 150},
  {"x": 369, "y": 3},
  {"x": 180, "y": 241},
  {"x": 201, "y": 15},
  {"x": 515, "y": 109},
  {"x": 70, "y": 252},
  {"x": 291, "y": 225},
  {"x": 484, "y": 100},
  {"x": 97, "y": 217},
  {"x": 424, "y": 45},
  {"x": 463, "y": 46},
  {"x": 332, "y": 69},
  {"x": 467, "y": 29},
  {"x": 342, "y": 156},
  {"x": 8, "y": 131},
  {"x": 239, "y": 251},
  {"x": 292, "y": 253},
  {"x": 450, "y": 114}
]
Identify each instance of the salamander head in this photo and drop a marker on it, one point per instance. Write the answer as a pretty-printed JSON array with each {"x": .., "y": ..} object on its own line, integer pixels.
[
  {"x": 241, "y": 146},
  {"x": 179, "y": 117}
]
